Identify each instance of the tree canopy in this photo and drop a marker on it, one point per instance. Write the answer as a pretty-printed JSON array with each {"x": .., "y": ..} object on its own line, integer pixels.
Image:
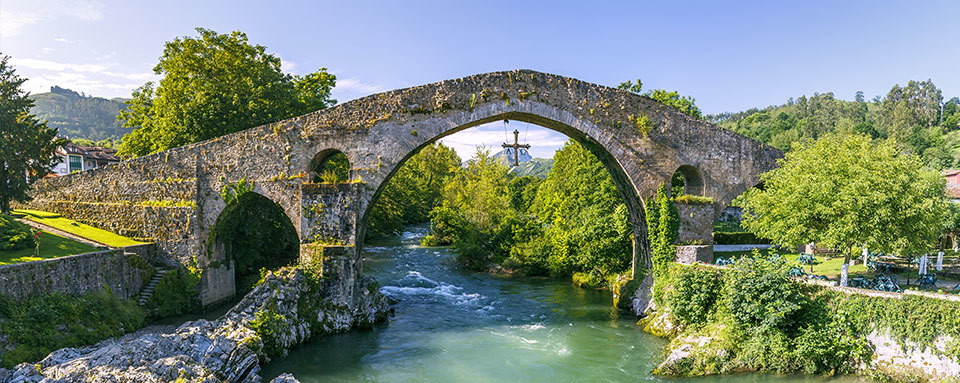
[
  {"x": 672, "y": 99},
  {"x": 914, "y": 116},
  {"x": 212, "y": 85},
  {"x": 28, "y": 145},
  {"x": 846, "y": 191}
]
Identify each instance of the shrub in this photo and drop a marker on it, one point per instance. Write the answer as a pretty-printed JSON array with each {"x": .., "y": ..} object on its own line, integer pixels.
[
  {"x": 760, "y": 293},
  {"x": 690, "y": 199},
  {"x": 175, "y": 294},
  {"x": 268, "y": 324},
  {"x": 39, "y": 325},
  {"x": 694, "y": 292},
  {"x": 738, "y": 238},
  {"x": 14, "y": 235}
]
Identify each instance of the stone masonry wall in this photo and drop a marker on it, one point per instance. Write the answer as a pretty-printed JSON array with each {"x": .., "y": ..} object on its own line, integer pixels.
[
  {"x": 151, "y": 198},
  {"x": 74, "y": 275},
  {"x": 696, "y": 224},
  {"x": 329, "y": 213}
]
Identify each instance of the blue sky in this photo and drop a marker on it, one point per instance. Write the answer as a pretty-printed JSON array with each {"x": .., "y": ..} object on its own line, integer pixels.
[{"x": 730, "y": 56}]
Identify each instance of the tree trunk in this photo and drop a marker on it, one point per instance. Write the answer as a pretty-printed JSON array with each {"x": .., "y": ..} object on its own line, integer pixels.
[
  {"x": 4, "y": 206},
  {"x": 844, "y": 269}
]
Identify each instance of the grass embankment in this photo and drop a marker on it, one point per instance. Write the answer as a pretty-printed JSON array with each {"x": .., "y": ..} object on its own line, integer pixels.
[
  {"x": 51, "y": 246},
  {"x": 39, "y": 325},
  {"x": 77, "y": 228}
]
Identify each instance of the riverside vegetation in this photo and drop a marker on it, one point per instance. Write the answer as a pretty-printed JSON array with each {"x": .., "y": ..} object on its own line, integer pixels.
[
  {"x": 571, "y": 224},
  {"x": 753, "y": 316}
]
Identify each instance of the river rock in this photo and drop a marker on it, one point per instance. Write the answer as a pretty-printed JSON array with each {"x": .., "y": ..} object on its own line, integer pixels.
[
  {"x": 228, "y": 349},
  {"x": 285, "y": 378},
  {"x": 642, "y": 303}
]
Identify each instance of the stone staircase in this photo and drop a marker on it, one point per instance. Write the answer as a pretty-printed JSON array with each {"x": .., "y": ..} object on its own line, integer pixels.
[{"x": 147, "y": 290}]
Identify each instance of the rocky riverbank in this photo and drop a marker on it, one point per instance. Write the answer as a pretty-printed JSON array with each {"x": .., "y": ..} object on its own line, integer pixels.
[{"x": 288, "y": 308}]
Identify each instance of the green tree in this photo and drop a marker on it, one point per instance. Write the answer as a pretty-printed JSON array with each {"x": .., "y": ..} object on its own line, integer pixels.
[
  {"x": 663, "y": 225},
  {"x": 669, "y": 98},
  {"x": 27, "y": 144},
  {"x": 212, "y": 85},
  {"x": 845, "y": 191},
  {"x": 414, "y": 191},
  {"x": 586, "y": 227}
]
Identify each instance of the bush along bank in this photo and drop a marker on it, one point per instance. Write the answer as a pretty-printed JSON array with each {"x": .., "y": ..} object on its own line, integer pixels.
[{"x": 753, "y": 316}]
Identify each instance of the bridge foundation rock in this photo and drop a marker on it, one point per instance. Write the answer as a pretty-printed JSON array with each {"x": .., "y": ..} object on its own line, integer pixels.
[{"x": 298, "y": 303}]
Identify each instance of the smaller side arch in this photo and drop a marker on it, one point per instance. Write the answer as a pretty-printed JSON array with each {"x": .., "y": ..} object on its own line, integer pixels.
[
  {"x": 692, "y": 180},
  {"x": 329, "y": 166}
]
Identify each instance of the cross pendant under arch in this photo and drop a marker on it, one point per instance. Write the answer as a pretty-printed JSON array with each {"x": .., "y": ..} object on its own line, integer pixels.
[{"x": 516, "y": 147}]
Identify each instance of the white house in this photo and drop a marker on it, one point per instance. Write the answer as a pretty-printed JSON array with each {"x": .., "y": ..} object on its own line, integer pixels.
[{"x": 75, "y": 158}]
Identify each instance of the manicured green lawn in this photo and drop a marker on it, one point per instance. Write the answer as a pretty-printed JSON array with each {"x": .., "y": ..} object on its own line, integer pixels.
[
  {"x": 76, "y": 228},
  {"x": 51, "y": 246},
  {"x": 823, "y": 266},
  {"x": 831, "y": 268}
]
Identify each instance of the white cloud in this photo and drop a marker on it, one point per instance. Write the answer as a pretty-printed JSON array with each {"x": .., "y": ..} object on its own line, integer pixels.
[
  {"x": 15, "y": 16},
  {"x": 544, "y": 142},
  {"x": 350, "y": 84},
  {"x": 288, "y": 66},
  {"x": 61, "y": 40},
  {"x": 56, "y": 66}
]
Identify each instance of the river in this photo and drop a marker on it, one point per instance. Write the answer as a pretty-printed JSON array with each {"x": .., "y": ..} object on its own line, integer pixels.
[{"x": 453, "y": 326}]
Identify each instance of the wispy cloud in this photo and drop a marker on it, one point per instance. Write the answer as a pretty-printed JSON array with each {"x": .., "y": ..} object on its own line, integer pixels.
[
  {"x": 61, "y": 40},
  {"x": 544, "y": 142},
  {"x": 354, "y": 85},
  {"x": 17, "y": 16},
  {"x": 57, "y": 66},
  {"x": 288, "y": 66}
]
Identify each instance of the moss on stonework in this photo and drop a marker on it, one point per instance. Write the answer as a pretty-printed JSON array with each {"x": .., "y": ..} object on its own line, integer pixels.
[{"x": 269, "y": 325}]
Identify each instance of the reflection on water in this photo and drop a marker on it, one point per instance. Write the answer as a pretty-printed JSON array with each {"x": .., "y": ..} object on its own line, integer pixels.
[{"x": 452, "y": 326}]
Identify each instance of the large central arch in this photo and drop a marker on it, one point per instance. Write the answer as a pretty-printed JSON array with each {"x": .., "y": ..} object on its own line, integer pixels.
[{"x": 586, "y": 134}]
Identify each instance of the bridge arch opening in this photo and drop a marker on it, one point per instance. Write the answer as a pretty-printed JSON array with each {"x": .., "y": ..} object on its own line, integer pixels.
[
  {"x": 623, "y": 188},
  {"x": 329, "y": 166},
  {"x": 687, "y": 180},
  {"x": 251, "y": 233}
]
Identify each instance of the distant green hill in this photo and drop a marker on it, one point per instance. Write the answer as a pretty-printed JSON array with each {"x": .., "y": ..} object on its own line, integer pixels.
[
  {"x": 917, "y": 117},
  {"x": 537, "y": 167},
  {"x": 80, "y": 116}
]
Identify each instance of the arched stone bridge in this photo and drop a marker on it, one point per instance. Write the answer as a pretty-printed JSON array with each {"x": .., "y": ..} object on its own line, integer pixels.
[{"x": 173, "y": 197}]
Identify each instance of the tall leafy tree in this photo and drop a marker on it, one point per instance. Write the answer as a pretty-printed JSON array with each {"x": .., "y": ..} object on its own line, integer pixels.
[
  {"x": 212, "y": 85},
  {"x": 846, "y": 191},
  {"x": 415, "y": 190},
  {"x": 26, "y": 145},
  {"x": 672, "y": 99}
]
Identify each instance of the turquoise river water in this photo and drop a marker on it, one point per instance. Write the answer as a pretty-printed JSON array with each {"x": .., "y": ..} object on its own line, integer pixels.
[{"x": 453, "y": 326}]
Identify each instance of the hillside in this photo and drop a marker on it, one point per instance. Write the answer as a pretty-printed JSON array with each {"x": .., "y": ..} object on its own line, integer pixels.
[
  {"x": 529, "y": 166},
  {"x": 80, "y": 116},
  {"x": 537, "y": 167},
  {"x": 915, "y": 116}
]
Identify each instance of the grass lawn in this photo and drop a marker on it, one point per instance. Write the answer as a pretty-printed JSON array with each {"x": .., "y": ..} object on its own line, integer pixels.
[
  {"x": 831, "y": 268},
  {"x": 51, "y": 246},
  {"x": 823, "y": 266},
  {"x": 77, "y": 228}
]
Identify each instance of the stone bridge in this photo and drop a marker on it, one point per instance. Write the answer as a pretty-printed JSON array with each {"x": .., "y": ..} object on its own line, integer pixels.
[{"x": 173, "y": 197}]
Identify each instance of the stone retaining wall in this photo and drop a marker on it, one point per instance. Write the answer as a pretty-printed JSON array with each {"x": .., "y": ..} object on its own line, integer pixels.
[{"x": 75, "y": 275}]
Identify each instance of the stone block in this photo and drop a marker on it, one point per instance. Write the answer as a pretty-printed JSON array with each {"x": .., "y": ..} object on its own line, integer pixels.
[{"x": 695, "y": 253}]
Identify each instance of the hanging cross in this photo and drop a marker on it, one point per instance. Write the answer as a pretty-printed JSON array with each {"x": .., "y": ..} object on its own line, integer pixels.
[{"x": 516, "y": 147}]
